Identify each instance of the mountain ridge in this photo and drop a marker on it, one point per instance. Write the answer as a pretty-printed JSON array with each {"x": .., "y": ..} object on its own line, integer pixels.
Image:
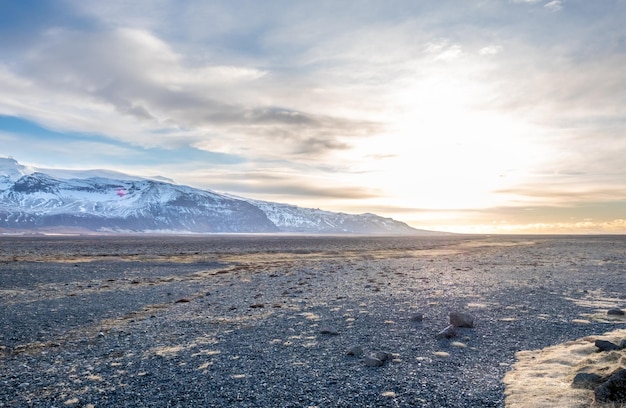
[{"x": 107, "y": 201}]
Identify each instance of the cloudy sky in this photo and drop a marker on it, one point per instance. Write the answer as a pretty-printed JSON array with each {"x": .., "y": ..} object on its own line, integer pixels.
[{"x": 469, "y": 116}]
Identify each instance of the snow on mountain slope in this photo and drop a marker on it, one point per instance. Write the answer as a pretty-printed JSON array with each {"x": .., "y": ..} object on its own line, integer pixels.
[
  {"x": 110, "y": 201},
  {"x": 10, "y": 171},
  {"x": 309, "y": 220},
  {"x": 38, "y": 201}
]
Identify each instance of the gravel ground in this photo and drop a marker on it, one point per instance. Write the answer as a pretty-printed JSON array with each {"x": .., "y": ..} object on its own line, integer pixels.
[{"x": 265, "y": 321}]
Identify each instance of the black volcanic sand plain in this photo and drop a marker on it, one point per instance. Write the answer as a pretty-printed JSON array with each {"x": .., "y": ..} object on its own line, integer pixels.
[{"x": 265, "y": 321}]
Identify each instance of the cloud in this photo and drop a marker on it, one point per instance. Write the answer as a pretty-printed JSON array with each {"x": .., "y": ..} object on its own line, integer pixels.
[
  {"x": 162, "y": 99},
  {"x": 617, "y": 226},
  {"x": 292, "y": 189},
  {"x": 442, "y": 50},
  {"x": 490, "y": 50},
  {"x": 566, "y": 191},
  {"x": 554, "y": 5},
  {"x": 274, "y": 184}
]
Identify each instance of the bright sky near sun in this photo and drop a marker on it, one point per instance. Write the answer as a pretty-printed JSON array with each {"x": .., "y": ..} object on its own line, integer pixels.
[{"x": 494, "y": 116}]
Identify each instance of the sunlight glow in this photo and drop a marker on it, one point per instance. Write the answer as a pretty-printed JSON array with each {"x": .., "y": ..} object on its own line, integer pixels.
[{"x": 459, "y": 154}]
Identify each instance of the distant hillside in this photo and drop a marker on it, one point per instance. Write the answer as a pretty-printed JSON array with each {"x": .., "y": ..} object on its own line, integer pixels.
[{"x": 108, "y": 201}]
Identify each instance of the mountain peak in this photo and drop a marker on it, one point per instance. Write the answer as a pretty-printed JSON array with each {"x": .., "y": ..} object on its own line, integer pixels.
[{"x": 9, "y": 167}]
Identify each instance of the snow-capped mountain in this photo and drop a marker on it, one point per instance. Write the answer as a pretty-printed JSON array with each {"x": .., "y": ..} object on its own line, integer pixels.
[{"x": 108, "y": 201}]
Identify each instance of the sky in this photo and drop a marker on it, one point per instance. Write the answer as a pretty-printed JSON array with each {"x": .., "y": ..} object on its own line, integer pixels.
[{"x": 494, "y": 116}]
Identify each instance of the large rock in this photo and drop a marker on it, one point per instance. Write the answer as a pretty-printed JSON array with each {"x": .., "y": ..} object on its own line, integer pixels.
[
  {"x": 613, "y": 389},
  {"x": 383, "y": 355},
  {"x": 355, "y": 351},
  {"x": 588, "y": 381},
  {"x": 605, "y": 345},
  {"x": 447, "y": 333},
  {"x": 461, "y": 319},
  {"x": 372, "y": 361}
]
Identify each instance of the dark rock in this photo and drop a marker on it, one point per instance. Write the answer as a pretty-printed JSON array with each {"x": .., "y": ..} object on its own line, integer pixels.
[
  {"x": 383, "y": 356},
  {"x": 372, "y": 361},
  {"x": 330, "y": 331},
  {"x": 257, "y": 306},
  {"x": 613, "y": 389},
  {"x": 587, "y": 381},
  {"x": 447, "y": 333},
  {"x": 615, "y": 312},
  {"x": 460, "y": 319},
  {"x": 183, "y": 300},
  {"x": 622, "y": 344},
  {"x": 605, "y": 345},
  {"x": 417, "y": 318},
  {"x": 355, "y": 351}
]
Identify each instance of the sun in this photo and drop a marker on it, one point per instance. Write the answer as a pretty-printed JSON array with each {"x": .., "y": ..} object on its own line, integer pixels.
[{"x": 452, "y": 156}]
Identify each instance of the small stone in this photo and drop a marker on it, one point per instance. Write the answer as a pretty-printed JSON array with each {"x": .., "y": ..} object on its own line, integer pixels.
[
  {"x": 605, "y": 345},
  {"x": 460, "y": 319},
  {"x": 417, "y": 318},
  {"x": 257, "y": 306},
  {"x": 383, "y": 356},
  {"x": 100, "y": 334},
  {"x": 615, "y": 312},
  {"x": 371, "y": 361},
  {"x": 355, "y": 351},
  {"x": 183, "y": 300},
  {"x": 587, "y": 381},
  {"x": 613, "y": 389},
  {"x": 329, "y": 331},
  {"x": 447, "y": 333}
]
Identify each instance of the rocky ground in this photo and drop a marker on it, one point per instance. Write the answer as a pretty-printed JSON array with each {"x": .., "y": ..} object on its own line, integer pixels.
[{"x": 268, "y": 321}]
